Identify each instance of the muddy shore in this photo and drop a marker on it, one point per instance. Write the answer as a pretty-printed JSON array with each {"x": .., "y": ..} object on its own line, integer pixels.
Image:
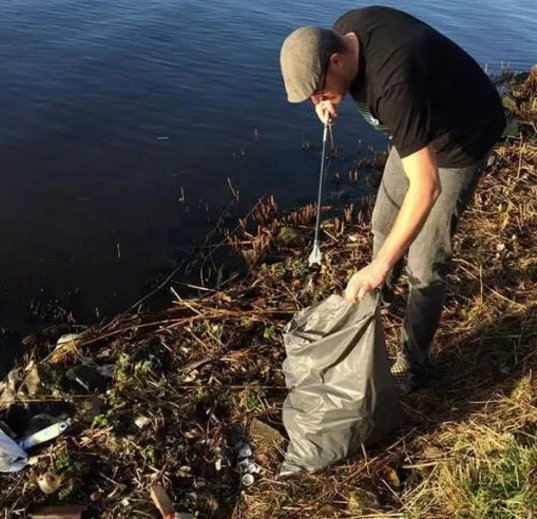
[{"x": 166, "y": 397}]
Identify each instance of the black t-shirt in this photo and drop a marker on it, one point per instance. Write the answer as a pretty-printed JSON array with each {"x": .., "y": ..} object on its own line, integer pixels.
[{"x": 421, "y": 87}]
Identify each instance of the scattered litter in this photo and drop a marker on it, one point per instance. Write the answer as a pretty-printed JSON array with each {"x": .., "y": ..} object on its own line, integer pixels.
[
  {"x": 8, "y": 387},
  {"x": 245, "y": 451},
  {"x": 184, "y": 471},
  {"x": 87, "y": 376},
  {"x": 245, "y": 463},
  {"x": 50, "y": 482},
  {"x": 107, "y": 370},
  {"x": 141, "y": 421},
  {"x": 44, "y": 435},
  {"x": 248, "y": 480},
  {"x": 68, "y": 340},
  {"x": 189, "y": 377},
  {"x": 12, "y": 457},
  {"x": 58, "y": 512},
  {"x": 249, "y": 466},
  {"x": 162, "y": 501}
]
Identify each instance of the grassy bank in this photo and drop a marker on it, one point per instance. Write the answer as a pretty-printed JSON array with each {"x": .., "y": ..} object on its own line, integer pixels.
[{"x": 191, "y": 382}]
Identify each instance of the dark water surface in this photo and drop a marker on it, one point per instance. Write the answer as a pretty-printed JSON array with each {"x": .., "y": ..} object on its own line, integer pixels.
[{"x": 111, "y": 110}]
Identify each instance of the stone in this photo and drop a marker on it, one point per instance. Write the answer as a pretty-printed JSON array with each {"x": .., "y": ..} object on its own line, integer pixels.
[
  {"x": 360, "y": 500},
  {"x": 288, "y": 237},
  {"x": 509, "y": 102}
]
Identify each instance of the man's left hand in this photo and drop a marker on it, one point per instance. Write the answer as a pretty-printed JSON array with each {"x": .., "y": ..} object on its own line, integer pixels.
[{"x": 365, "y": 280}]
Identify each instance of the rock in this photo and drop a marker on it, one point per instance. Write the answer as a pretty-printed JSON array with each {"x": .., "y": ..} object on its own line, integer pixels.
[
  {"x": 373, "y": 179},
  {"x": 249, "y": 256},
  {"x": 107, "y": 370},
  {"x": 522, "y": 76},
  {"x": 267, "y": 440},
  {"x": 433, "y": 452},
  {"x": 338, "y": 195},
  {"x": 360, "y": 500},
  {"x": 288, "y": 237},
  {"x": 88, "y": 409},
  {"x": 264, "y": 433},
  {"x": 512, "y": 128},
  {"x": 87, "y": 377},
  {"x": 509, "y": 102}
]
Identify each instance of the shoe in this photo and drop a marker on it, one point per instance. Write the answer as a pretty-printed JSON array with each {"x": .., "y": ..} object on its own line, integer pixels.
[{"x": 403, "y": 378}]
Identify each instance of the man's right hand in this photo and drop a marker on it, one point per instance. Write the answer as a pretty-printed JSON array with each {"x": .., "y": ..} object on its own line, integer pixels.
[{"x": 325, "y": 111}]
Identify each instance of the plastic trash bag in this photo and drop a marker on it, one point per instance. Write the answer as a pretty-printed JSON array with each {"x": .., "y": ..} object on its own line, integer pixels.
[
  {"x": 341, "y": 392},
  {"x": 12, "y": 457}
]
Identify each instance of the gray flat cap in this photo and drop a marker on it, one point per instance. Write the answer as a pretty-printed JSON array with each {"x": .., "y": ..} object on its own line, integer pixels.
[{"x": 303, "y": 58}]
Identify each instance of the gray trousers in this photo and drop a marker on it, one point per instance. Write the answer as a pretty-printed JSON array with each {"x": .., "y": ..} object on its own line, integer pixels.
[{"x": 429, "y": 255}]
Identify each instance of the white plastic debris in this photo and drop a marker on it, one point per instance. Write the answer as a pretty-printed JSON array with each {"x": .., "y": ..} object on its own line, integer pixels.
[
  {"x": 69, "y": 339},
  {"x": 107, "y": 370},
  {"x": 245, "y": 463},
  {"x": 49, "y": 482},
  {"x": 141, "y": 421},
  {"x": 248, "y": 480},
  {"x": 12, "y": 457},
  {"x": 245, "y": 451},
  {"x": 249, "y": 466},
  {"x": 44, "y": 435},
  {"x": 188, "y": 377},
  {"x": 254, "y": 468}
]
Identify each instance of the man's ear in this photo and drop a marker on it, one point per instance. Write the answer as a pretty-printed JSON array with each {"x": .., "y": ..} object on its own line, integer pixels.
[{"x": 336, "y": 60}]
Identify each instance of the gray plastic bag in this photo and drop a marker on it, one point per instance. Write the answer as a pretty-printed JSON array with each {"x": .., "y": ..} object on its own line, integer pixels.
[{"x": 341, "y": 392}]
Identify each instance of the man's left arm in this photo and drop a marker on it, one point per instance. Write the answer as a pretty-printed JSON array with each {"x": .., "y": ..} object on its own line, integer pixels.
[{"x": 424, "y": 188}]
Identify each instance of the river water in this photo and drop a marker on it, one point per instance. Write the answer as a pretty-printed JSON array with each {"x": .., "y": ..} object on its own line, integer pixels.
[{"x": 119, "y": 120}]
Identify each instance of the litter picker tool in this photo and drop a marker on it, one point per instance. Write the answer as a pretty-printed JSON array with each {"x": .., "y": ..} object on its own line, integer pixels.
[{"x": 316, "y": 254}]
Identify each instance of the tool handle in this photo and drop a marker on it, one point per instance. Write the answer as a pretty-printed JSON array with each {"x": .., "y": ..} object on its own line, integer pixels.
[{"x": 162, "y": 501}]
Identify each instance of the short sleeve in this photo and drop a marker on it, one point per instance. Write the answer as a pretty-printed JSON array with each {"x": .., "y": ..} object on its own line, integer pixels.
[{"x": 405, "y": 109}]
